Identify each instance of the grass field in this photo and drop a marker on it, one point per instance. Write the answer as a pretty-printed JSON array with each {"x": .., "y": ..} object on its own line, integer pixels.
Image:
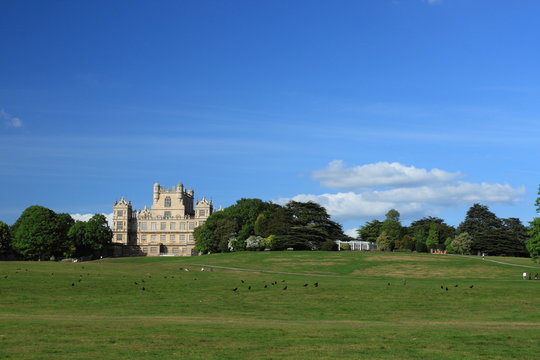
[{"x": 366, "y": 305}]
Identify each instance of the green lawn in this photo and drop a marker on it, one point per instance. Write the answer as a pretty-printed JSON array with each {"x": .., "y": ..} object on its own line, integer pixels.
[{"x": 367, "y": 305}]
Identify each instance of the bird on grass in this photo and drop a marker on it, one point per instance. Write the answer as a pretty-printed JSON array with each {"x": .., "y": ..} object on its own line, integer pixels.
[
  {"x": 442, "y": 287},
  {"x": 316, "y": 284},
  {"x": 249, "y": 287},
  {"x": 285, "y": 288},
  {"x": 456, "y": 285},
  {"x": 72, "y": 284},
  {"x": 136, "y": 283},
  {"x": 265, "y": 286},
  {"x": 470, "y": 287},
  {"x": 143, "y": 288},
  {"x": 447, "y": 288},
  {"x": 242, "y": 281},
  {"x": 234, "y": 289},
  {"x": 305, "y": 285}
]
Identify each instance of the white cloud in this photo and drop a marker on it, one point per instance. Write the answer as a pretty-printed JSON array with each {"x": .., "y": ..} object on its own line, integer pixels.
[
  {"x": 352, "y": 233},
  {"x": 10, "y": 121},
  {"x": 86, "y": 217},
  {"x": 336, "y": 176},
  {"x": 412, "y": 191}
]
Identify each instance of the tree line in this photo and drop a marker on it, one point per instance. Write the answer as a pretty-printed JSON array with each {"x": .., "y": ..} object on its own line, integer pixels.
[
  {"x": 253, "y": 224},
  {"x": 480, "y": 232},
  {"x": 41, "y": 234}
]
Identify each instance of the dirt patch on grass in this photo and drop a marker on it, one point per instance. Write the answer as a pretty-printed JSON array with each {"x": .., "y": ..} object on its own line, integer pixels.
[
  {"x": 422, "y": 271},
  {"x": 412, "y": 258}
]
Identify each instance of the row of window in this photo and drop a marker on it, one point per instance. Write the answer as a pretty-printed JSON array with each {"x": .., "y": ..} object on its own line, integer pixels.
[
  {"x": 155, "y": 250},
  {"x": 191, "y": 225},
  {"x": 171, "y": 225},
  {"x": 163, "y": 238}
]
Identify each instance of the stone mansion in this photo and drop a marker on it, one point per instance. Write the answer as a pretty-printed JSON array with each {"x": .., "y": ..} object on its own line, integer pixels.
[{"x": 164, "y": 229}]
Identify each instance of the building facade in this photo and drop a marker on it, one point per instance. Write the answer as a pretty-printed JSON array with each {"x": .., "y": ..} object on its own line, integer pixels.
[{"x": 164, "y": 229}]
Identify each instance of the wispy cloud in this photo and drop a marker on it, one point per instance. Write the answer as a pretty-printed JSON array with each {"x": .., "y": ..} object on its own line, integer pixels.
[
  {"x": 9, "y": 120},
  {"x": 410, "y": 190}
]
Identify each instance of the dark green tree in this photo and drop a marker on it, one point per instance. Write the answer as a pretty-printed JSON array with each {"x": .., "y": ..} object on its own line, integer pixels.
[
  {"x": 90, "y": 236},
  {"x": 40, "y": 233},
  {"x": 479, "y": 223},
  {"x": 370, "y": 231},
  {"x": 5, "y": 238},
  {"x": 533, "y": 243}
]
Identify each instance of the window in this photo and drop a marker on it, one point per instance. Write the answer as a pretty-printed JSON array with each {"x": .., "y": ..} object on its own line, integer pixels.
[
  {"x": 144, "y": 250},
  {"x": 190, "y": 237},
  {"x": 153, "y": 250},
  {"x": 202, "y": 213},
  {"x": 175, "y": 250},
  {"x": 153, "y": 238},
  {"x": 120, "y": 225},
  {"x": 168, "y": 201},
  {"x": 167, "y": 215},
  {"x": 201, "y": 223},
  {"x": 172, "y": 238},
  {"x": 153, "y": 226},
  {"x": 191, "y": 225},
  {"x": 162, "y": 226},
  {"x": 143, "y": 226},
  {"x": 173, "y": 226},
  {"x": 182, "y": 237},
  {"x": 119, "y": 237},
  {"x": 182, "y": 226},
  {"x": 162, "y": 238},
  {"x": 143, "y": 238},
  {"x": 183, "y": 249},
  {"x": 120, "y": 213}
]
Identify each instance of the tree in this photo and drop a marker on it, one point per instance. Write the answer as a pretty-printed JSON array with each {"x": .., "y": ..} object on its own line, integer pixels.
[
  {"x": 392, "y": 228},
  {"x": 406, "y": 242},
  {"x": 5, "y": 238},
  {"x": 462, "y": 243},
  {"x": 40, "y": 233},
  {"x": 370, "y": 231},
  {"x": 90, "y": 236},
  {"x": 420, "y": 231},
  {"x": 533, "y": 243},
  {"x": 448, "y": 244},
  {"x": 273, "y": 221},
  {"x": 384, "y": 243},
  {"x": 432, "y": 241}
]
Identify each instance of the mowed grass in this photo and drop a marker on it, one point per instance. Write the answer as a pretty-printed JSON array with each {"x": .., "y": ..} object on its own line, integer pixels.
[{"x": 366, "y": 305}]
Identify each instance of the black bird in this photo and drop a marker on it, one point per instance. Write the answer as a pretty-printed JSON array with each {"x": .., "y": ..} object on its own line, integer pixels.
[
  {"x": 388, "y": 284},
  {"x": 234, "y": 289},
  {"x": 265, "y": 286},
  {"x": 282, "y": 280},
  {"x": 305, "y": 285},
  {"x": 316, "y": 284},
  {"x": 136, "y": 283},
  {"x": 456, "y": 285},
  {"x": 242, "y": 281},
  {"x": 72, "y": 284},
  {"x": 79, "y": 280},
  {"x": 143, "y": 288},
  {"x": 442, "y": 287},
  {"x": 142, "y": 280},
  {"x": 249, "y": 287},
  {"x": 447, "y": 288},
  {"x": 285, "y": 288},
  {"x": 470, "y": 287}
]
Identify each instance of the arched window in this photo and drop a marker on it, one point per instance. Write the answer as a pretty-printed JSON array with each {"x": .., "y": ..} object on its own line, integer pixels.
[{"x": 168, "y": 201}]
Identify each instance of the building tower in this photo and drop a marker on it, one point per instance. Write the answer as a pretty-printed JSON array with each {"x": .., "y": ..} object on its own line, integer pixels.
[{"x": 122, "y": 215}]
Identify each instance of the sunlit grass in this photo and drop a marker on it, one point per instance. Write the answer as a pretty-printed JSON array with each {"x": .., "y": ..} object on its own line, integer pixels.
[{"x": 366, "y": 305}]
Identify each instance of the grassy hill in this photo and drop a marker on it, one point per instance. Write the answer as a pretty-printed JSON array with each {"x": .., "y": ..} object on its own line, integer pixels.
[{"x": 366, "y": 305}]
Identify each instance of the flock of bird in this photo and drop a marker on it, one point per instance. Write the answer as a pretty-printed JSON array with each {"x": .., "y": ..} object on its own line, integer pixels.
[{"x": 273, "y": 283}]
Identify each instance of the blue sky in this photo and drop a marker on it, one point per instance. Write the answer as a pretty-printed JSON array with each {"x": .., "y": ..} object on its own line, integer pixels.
[{"x": 420, "y": 105}]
